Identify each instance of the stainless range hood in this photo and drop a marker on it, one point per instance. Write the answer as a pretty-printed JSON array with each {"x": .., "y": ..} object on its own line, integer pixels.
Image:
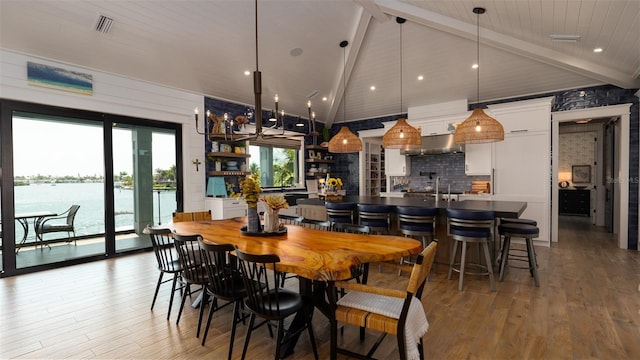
[{"x": 436, "y": 144}]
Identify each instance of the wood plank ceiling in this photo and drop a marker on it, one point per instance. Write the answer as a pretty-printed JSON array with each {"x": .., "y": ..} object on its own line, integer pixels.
[{"x": 205, "y": 46}]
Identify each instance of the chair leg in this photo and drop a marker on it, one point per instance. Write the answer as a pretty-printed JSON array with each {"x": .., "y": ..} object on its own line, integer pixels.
[
  {"x": 205, "y": 300},
  {"x": 248, "y": 337},
  {"x": 487, "y": 256},
  {"x": 533, "y": 261},
  {"x": 209, "y": 317},
  {"x": 463, "y": 259},
  {"x": 155, "y": 295},
  {"x": 453, "y": 258},
  {"x": 504, "y": 256},
  {"x": 184, "y": 298},
  {"x": 236, "y": 311},
  {"x": 173, "y": 291},
  {"x": 279, "y": 338}
]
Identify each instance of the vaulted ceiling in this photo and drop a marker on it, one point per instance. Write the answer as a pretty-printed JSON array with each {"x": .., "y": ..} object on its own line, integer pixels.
[{"x": 206, "y": 46}]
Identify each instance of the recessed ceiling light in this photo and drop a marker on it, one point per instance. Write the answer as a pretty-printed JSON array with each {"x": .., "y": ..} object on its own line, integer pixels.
[
  {"x": 597, "y": 50},
  {"x": 247, "y": 72},
  {"x": 373, "y": 87},
  {"x": 474, "y": 66},
  {"x": 324, "y": 98},
  {"x": 565, "y": 38},
  {"x": 420, "y": 77},
  {"x": 295, "y": 52}
]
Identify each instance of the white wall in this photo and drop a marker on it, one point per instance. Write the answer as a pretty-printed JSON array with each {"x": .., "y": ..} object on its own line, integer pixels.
[{"x": 115, "y": 94}]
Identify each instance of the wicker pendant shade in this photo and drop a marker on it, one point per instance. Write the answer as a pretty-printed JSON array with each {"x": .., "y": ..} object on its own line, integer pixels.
[
  {"x": 402, "y": 136},
  {"x": 479, "y": 128},
  {"x": 345, "y": 142}
]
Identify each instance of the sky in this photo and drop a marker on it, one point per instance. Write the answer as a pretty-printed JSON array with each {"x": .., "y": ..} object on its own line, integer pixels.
[{"x": 59, "y": 149}]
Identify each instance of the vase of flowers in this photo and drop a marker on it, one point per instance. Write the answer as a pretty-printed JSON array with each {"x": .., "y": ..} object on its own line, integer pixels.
[
  {"x": 273, "y": 205},
  {"x": 250, "y": 190}
]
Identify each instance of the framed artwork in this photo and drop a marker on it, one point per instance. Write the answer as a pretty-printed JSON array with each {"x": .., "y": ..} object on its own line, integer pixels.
[
  {"x": 581, "y": 174},
  {"x": 59, "y": 79}
]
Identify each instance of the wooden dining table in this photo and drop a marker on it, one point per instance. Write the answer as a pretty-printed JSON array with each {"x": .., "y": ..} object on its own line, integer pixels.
[{"x": 318, "y": 257}]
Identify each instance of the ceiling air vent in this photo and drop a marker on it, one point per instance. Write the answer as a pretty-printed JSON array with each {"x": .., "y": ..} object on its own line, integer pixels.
[
  {"x": 565, "y": 38},
  {"x": 103, "y": 24}
]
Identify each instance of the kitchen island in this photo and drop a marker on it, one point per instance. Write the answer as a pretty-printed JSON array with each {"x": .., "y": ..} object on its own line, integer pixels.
[{"x": 314, "y": 209}]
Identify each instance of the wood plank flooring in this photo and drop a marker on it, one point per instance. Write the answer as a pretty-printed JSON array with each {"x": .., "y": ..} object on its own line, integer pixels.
[{"x": 587, "y": 306}]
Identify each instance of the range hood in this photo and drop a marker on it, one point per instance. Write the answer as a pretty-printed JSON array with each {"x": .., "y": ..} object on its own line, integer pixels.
[{"x": 436, "y": 144}]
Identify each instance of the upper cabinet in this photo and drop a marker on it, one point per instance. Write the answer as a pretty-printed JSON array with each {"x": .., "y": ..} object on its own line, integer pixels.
[
  {"x": 396, "y": 164},
  {"x": 477, "y": 159}
]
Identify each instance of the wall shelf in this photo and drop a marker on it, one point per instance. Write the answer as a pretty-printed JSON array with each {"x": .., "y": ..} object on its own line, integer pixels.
[
  {"x": 228, "y": 155},
  {"x": 228, "y": 173}
]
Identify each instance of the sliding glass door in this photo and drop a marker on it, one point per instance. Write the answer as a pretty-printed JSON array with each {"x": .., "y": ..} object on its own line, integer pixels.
[{"x": 79, "y": 186}]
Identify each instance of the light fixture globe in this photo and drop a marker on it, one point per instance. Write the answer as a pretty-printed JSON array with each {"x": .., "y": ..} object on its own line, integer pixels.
[
  {"x": 479, "y": 128},
  {"x": 345, "y": 142},
  {"x": 402, "y": 136}
]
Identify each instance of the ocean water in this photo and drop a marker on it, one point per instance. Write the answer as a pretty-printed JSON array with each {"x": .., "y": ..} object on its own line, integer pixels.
[{"x": 90, "y": 196}]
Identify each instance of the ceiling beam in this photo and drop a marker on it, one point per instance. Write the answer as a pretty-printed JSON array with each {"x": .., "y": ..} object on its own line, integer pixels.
[
  {"x": 353, "y": 49},
  {"x": 373, "y": 9},
  {"x": 500, "y": 41}
]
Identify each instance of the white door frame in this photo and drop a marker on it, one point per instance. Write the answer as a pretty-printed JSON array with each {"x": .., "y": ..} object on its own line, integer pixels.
[{"x": 623, "y": 112}]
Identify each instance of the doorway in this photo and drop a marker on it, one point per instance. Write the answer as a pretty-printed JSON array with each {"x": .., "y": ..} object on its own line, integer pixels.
[{"x": 618, "y": 182}]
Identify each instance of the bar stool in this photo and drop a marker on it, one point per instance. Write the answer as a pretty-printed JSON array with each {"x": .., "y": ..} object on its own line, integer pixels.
[
  {"x": 513, "y": 221},
  {"x": 467, "y": 226},
  {"x": 375, "y": 216},
  {"x": 524, "y": 231},
  {"x": 338, "y": 212},
  {"x": 417, "y": 222}
]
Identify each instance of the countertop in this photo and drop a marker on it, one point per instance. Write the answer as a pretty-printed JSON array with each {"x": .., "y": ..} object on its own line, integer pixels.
[{"x": 502, "y": 208}]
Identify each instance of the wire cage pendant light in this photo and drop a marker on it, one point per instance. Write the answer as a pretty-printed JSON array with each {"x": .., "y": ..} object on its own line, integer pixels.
[
  {"x": 402, "y": 135},
  {"x": 479, "y": 127},
  {"x": 344, "y": 141}
]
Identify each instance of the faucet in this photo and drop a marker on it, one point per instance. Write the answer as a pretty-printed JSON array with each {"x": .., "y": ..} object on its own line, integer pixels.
[{"x": 437, "y": 187}]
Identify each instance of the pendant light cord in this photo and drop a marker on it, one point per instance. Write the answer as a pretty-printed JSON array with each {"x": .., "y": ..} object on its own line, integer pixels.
[
  {"x": 344, "y": 83},
  {"x": 478, "y": 60},
  {"x": 401, "y": 68},
  {"x": 256, "y": 29}
]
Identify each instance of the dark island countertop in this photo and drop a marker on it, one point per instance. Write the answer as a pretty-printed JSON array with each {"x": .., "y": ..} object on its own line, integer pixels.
[{"x": 512, "y": 209}]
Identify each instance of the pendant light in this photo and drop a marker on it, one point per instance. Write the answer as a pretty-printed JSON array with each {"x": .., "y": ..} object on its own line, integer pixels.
[
  {"x": 344, "y": 141},
  {"x": 479, "y": 127},
  {"x": 402, "y": 135}
]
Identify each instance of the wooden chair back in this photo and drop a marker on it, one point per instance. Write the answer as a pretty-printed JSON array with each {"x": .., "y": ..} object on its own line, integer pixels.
[{"x": 191, "y": 216}]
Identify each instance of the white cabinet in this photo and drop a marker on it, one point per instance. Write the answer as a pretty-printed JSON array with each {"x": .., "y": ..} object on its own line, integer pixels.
[
  {"x": 314, "y": 212},
  {"x": 226, "y": 208},
  {"x": 477, "y": 159},
  {"x": 432, "y": 128},
  {"x": 397, "y": 164}
]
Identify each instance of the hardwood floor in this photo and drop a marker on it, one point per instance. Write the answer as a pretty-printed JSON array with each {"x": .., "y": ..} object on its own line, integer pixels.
[{"x": 587, "y": 306}]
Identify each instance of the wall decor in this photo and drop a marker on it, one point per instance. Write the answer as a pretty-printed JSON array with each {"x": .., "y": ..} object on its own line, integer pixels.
[
  {"x": 59, "y": 79},
  {"x": 581, "y": 173}
]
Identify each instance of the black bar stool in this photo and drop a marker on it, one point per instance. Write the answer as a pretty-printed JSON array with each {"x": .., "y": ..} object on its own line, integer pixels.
[
  {"x": 524, "y": 231},
  {"x": 466, "y": 226},
  {"x": 340, "y": 213},
  {"x": 417, "y": 222},
  {"x": 376, "y": 217}
]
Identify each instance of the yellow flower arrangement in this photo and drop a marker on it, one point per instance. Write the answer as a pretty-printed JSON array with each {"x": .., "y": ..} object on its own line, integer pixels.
[
  {"x": 335, "y": 182},
  {"x": 275, "y": 202},
  {"x": 250, "y": 189}
]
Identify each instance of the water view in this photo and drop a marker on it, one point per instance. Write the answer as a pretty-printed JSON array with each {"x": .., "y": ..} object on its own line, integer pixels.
[{"x": 59, "y": 197}]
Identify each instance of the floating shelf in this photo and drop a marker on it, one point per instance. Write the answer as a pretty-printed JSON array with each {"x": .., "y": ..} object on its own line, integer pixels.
[
  {"x": 229, "y": 173},
  {"x": 229, "y": 154},
  {"x": 319, "y": 161}
]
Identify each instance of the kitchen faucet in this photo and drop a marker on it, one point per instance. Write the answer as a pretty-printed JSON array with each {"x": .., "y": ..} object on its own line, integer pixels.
[{"x": 437, "y": 187}]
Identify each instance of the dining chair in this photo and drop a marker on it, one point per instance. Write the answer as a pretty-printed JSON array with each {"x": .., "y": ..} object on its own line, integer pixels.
[
  {"x": 49, "y": 225},
  {"x": 269, "y": 301},
  {"x": 225, "y": 284},
  {"x": 166, "y": 261},
  {"x": 193, "y": 271},
  {"x": 289, "y": 219},
  {"x": 386, "y": 310},
  {"x": 361, "y": 272},
  {"x": 316, "y": 224},
  {"x": 191, "y": 216}
]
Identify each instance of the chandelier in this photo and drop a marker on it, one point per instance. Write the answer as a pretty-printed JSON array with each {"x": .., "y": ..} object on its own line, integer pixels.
[{"x": 224, "y": 127}]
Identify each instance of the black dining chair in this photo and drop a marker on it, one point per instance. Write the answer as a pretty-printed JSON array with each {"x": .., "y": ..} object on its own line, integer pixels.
[
  {"x": 225, "y": 284},
  {"x": 266, "y": 299},
  {"x": 166, "y": 261},
  {"x": 193, "y": 271}
]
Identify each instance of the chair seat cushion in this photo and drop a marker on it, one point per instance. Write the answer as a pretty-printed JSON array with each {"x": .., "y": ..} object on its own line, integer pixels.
[
  {"x": 427, "y": 227},
  {"x": 56, "y": 227},
  {"x": 470, "y": 232},
  {"x": 289, "y": 302},
  {"x": 518, "y": 221},
  {"x": 381, "y": 313},
  {"x": 523, "y": 229}
]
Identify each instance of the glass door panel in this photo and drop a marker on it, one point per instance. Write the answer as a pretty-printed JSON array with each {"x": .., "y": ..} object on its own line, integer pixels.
[
  {"x": 144, "y": 163},
  {"x": 58, "y": 163}
]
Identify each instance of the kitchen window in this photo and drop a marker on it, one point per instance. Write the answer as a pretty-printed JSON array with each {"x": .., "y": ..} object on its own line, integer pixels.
[{"x": 278, "y": 164}]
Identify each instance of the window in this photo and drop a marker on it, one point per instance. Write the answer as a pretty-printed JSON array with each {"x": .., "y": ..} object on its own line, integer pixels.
[{"x": 277, "y": 165}]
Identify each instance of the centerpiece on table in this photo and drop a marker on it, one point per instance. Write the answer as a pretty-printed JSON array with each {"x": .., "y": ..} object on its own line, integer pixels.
[
  {"x": 273, "y": 205},
  {"x": 250, "y": 190},
  {"x": 333, "y": 189}
]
